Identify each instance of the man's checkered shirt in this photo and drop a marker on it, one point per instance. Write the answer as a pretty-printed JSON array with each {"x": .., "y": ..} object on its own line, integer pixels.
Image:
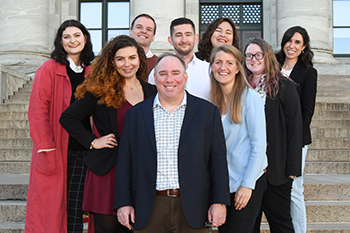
[{"x": 167, "y": 128}]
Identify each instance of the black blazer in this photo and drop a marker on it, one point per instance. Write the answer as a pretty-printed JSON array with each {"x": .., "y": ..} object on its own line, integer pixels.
[
  {"x": 202, "y": 165},
  {"x": 284, "y": 134},
  {"x": 99, "y": 161},
  {"x": 306, "y": 79}
]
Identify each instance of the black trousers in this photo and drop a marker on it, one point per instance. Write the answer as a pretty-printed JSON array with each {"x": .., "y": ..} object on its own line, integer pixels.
[
  {"x": 75, "y": 188},
  {"x": 276, "y": 206},
  {"x": 242, "y": 221}
]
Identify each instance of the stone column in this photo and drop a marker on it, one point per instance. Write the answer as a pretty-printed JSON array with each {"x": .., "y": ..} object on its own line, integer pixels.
[
  {"x": 24, "y": 32},
  {"x": 163, "y": 12},
  {"x": 316, "y": 17}
]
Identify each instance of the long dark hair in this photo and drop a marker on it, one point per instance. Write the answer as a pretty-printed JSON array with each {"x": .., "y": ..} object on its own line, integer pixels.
[
  {"x": 306, "y": 56},
  {"x": 204, "y": 45},
  {"x": 60, "y": 55}
]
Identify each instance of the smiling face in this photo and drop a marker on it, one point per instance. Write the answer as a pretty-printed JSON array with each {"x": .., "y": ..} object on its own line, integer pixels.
[
  {"x": 224, "y": 68},
  {"x": 143, "y": 31},
  {"x": 257, "y": 67},
  {"x": 127, "y": 62},
  {"x": 170, "y": 79},
  {"x": 183, "y": 39},
  {"x": 223, "y": 34},
  {"x": 294, "y": 47},
  {"x": 73, "y": 41}
]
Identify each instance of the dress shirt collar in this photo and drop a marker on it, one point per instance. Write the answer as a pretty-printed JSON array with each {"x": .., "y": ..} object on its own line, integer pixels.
[
  {"x": 157, "y": 103},
  {"x": 74, "y": 67},
  {"x": 149, "y": 54}
]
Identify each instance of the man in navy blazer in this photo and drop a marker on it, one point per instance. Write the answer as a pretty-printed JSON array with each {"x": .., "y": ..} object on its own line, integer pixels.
[{"x": 179, "y": 185}]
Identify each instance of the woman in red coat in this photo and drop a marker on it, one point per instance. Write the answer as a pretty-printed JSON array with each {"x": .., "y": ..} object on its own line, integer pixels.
[
  {"x": 57, "y": 170},
  {"x": 116, "y": 82}
]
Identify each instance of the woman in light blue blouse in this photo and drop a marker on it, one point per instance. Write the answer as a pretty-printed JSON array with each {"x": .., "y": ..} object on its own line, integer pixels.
[{"x": 243, "y": 120}]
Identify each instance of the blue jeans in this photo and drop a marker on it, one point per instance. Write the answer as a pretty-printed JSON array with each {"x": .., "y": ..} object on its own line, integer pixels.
[{"x": 297, "y": 206}]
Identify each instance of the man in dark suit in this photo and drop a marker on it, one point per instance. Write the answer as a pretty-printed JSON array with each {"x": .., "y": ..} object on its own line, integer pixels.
[{"x": 172, "y": 168}]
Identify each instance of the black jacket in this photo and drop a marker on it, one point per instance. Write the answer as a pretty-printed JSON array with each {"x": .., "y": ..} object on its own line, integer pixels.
[
  {"x": 306, "y": 79},
  {"x": 99, "y": 161}
]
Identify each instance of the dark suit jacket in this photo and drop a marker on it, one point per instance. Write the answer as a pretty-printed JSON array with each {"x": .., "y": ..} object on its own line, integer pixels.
[
  {"x": 306, "y": 79},
  {"x": 103, "y": 160},
  {"x": 284, "y": 134},
  {"x": 202, "y": 165}
]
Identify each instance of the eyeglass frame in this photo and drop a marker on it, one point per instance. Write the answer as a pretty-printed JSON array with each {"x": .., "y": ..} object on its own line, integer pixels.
[{"x": 254, "y": 55}]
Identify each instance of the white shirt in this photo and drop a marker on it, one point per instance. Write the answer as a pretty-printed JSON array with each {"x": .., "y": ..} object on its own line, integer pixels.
[
  {"x": 167, "y": 126},
  {"x": 198, "y": 82},
  {"x": 149, "y": 54},
  {"x": 74, "y": 67}
]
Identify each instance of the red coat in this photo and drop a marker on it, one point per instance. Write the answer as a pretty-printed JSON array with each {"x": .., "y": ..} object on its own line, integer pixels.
[{"x": 47, "y": 194}]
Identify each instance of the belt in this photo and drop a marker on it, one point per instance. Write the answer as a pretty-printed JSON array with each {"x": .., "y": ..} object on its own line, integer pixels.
[{"x": 169, "y": 192}]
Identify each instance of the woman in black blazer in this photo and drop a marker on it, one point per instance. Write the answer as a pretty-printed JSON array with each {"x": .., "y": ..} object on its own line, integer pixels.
[
  {"x": 115, "y": 83},
  {"x": 295, "y": 59},
  {"x": 284, "y": 132}
]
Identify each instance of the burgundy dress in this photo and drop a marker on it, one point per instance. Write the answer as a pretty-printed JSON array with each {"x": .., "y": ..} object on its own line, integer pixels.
[{"x": 99, "y": 190}]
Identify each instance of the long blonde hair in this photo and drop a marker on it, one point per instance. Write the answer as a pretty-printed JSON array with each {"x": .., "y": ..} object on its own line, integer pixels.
[{"x": 239, "y": 86}]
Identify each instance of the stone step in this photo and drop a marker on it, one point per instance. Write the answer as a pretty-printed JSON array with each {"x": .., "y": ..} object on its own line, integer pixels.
[
  {"x": 327, "y": 187},
  {"x": 14, "y": 167},
  {"x": 14, "y": 187},
  {"x": 12, "y": 227},
  {"x": 11, "y": 133},
  {"x": 12, "y": 211},
  {"x": 317, "y": 227},
  {"x": 331, "y": 143},
  {"x": 14, "y": 107},
  {"x": 335, "y": 123},
  {"x": 18, "y": 227},
  {"x": 327, "y": 155},
  {"x": 16, "y": 144},
  {"x": 22, "y": 94},
  {"x": 341, "y": 106},
  {"x": 18, "y": 124},
  {"x": 335, "y": 114},
  {"x": 328, "y": 211},
  {"x": 327, "y": 168},
  {"x": 14, "y": 115},
  {"x": 330, "y": 132},
  {"x": 15, "y": 155},
  {"x": 18, "y": 98}
]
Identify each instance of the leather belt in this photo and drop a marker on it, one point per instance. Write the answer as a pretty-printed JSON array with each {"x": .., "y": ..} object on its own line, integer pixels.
[{"x": 169, "y": 192}]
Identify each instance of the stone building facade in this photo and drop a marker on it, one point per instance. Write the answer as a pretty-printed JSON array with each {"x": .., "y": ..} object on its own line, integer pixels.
[{"x": 28, "y": 27}]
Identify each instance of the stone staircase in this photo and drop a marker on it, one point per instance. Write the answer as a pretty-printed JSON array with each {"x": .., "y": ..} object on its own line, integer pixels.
[
  {"x": 15, "y": 153},
  {"x": 327, "y": 178}
]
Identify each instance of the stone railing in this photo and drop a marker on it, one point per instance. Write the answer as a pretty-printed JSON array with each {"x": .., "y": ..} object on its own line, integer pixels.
[{"x": 10, "y": 81}]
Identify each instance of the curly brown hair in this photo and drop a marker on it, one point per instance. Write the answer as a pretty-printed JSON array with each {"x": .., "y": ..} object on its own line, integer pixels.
[
  {"x": 204, "y": 45},
  {"x": 104, "y": 81}
]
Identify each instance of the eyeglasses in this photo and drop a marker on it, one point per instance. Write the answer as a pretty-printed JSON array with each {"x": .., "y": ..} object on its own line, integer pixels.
[{"x": 258, "y": 56}]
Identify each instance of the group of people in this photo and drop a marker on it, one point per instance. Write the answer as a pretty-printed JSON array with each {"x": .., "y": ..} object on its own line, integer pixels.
[{"x": 176, "y": 143}]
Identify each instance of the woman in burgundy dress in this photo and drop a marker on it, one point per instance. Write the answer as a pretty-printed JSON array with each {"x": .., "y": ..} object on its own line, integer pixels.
[{"x": 115, "y": 83}]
